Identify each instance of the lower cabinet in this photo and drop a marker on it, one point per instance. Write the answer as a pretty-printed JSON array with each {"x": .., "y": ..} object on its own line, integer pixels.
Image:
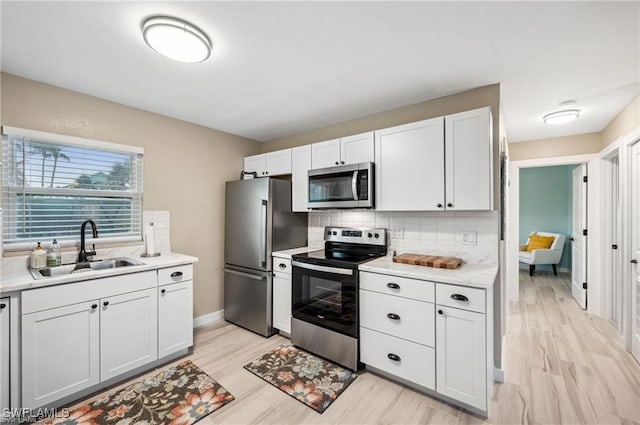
[
  {"x": 175, "y": 317},
  {"x": 128, "y": 332},
  {"x": 60, "y": 352},
  {"x": 282, "y": 294},
  {"x": 5, "y": 382}
]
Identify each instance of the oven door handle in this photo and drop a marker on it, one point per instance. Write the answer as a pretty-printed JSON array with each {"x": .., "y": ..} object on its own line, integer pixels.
[
  {"x": 325, "y": 269},
  {"x": 354, "y": 185}
]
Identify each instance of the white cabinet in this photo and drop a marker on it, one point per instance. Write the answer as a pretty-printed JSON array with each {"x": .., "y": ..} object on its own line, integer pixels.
[
  {"x": 346, "y": 150},
  {"x": 60, "y": 352},
  {"x": 128, "y": 332},
  {"x": 410, "y": 167},
  {"x": 443, "y": 163},
  {"x": 4, "y": 352},
  {"x": 468, "y": 160},
  {"x": 282, "y": 294},
  {"x": 300, "y": 166},
  {"x": 269, "y": 164},
  {"x": 175, "y": 317},
  {"x": 461, "y": 355}
]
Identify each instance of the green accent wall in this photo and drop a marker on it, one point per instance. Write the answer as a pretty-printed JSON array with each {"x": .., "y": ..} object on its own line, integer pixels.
[{"x": 546, "y": 205}]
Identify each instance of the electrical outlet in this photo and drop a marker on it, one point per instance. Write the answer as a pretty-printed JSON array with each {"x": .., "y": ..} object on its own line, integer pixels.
[
  {"x": 468, "y": 238},
  {"x": 397, "y": 233}
]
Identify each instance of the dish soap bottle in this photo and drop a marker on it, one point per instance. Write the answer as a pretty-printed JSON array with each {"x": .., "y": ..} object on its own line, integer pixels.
[
  {"x": 55, "y": 254},
  {"x": 38, "y": 257}
]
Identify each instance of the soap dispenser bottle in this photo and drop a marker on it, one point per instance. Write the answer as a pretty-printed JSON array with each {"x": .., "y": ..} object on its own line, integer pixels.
[
  {"x": 55, "y": 254},
  {"x": 38, "y": 257}
]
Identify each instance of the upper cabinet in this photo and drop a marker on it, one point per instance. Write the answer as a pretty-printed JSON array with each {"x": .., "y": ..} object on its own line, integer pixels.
[
  {"x": 269, "y": 164},
  {"x": 443, "y": 163},
  {"x": 300, "y": 166},
  {"x": 346, "y": 150}
]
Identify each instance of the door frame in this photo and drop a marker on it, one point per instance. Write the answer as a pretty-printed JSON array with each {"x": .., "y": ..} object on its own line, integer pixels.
[{"x": 593, "y": 220}]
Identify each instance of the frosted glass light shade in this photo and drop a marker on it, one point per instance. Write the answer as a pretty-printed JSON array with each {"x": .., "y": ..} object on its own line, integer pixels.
[
  {"x": 176, "y": 39},
  {"x": 561, "y": 117}
]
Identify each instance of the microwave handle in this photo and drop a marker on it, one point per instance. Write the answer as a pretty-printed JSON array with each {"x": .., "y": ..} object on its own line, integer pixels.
[{"x": 354, "y": 185}]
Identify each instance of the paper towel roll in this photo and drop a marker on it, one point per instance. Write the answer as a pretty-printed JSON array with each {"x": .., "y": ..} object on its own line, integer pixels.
[{"x": 150, "y": 239}]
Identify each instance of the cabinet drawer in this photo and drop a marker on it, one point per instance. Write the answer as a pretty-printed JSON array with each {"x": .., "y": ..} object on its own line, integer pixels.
[
  {"x": 401, "y": 286},
  {"x": 401, "y": 317},
  {"x": 447, "y": 294},
  {"x": 175, "y": 274},
  {"x": 281, "y": 265},
  {"x": 414, "y": 362}
]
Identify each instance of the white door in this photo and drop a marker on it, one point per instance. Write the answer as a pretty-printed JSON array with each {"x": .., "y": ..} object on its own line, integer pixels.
[
  {"x": 278, "y": 162},
  {"x": 579, "y": 239},
  {"x": 4, "y": 353},
  {"x": 300, "y": 166},
  {"x": 468, "y": 160},
  {"x": 128, "y": 332},
  {"x": 282, "y": 301},
  {"x": 461, "y": 366},
  {"x": 635, "y": 253},
  {"x": 175, "y": 317},
  {"x": 410, "y": 167},
  {"x": 356, "y": 149},
  {"x": 325, "y": 154},
  {"x": 255, "y": 164},
  {"x": 60, "y": 352}
]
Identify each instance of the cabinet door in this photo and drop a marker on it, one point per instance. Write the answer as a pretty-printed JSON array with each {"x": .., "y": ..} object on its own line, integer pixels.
[
  {"x": 410, "y": 167},
  {"x": 256, "y": 163},
  {"x": 356, "y": 149},
  {"x": 278, "y": 162},
  {"x": 469, "y": 160},
  {"x": 325, "y": 154},
  {"x": 60, "y": 352},
  {"x": 282, "y": 302},
  {"x": 175, "y": 317},
  {"x": 128, "y": 332},
  {"x": 461, "y": 355},
  {"x": 4, "y": 353},
  {"x": 300, "y": 166}
]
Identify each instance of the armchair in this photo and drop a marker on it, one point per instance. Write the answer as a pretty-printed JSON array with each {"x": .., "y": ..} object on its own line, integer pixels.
[{"x": 544, "y": 256}]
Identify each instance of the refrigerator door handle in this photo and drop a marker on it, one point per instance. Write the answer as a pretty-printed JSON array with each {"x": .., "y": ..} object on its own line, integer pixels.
[
  {"x": 263, "y": 234},
  {"x": 250, "y": 276}
]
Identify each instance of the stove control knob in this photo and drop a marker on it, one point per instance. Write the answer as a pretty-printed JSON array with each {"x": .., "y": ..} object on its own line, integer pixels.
[
  {"x": 328, "y": 232},
  {"x": 369, "y": 235},
  {"x": 376, "y": 235},
  {"x": 335, "y": 233}
]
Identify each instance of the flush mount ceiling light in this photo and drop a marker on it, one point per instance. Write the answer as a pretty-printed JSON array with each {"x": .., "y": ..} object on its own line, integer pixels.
[
  {"x": 561, "y": 117},
  {"x": 176, "y": 39}
]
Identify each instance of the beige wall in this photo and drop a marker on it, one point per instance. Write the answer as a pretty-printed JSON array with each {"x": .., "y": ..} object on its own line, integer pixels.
[
  {"x": 557, "y": 146},
  {"x": 626, "y": 121},
  {"x": 472, "y": 99},
  {"x": 185, "y": 165}
]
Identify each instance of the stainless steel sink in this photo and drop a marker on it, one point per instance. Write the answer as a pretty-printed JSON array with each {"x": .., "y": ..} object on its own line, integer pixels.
[{"x": 91, "y": 266}]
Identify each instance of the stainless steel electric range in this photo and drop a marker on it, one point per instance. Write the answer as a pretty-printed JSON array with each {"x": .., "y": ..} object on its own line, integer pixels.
[{"x": 325, "y": 292}]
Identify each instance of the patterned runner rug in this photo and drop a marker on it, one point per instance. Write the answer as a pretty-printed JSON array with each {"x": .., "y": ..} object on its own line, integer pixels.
[
  {"x": 178, "y": 395},
  {"x": 305, "y": 377}
]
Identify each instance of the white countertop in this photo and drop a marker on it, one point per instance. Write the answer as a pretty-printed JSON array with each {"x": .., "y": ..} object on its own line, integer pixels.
[
  {"x": 477, "y": 275},
  {"x": 18, "y": 280},
  {"x": 287, "y": 253}
]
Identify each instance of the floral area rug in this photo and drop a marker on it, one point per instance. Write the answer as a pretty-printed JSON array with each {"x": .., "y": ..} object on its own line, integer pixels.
[
  {"x": 307, "y": 378},
  {"x": 178, "y": 395}
]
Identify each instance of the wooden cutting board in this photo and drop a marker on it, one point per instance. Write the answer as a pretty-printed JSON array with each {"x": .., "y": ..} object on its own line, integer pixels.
[{"x": 428, "y": 260}]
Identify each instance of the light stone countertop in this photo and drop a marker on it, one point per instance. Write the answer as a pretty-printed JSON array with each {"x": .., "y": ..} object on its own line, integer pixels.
[
  {"x": 477, "y": 275},
  {"x": 287, "y": 253},
  {"x": 20, "y": 279}
]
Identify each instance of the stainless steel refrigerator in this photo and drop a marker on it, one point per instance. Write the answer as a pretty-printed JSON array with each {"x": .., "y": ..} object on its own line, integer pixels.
[{"x": 258, "y": 221}]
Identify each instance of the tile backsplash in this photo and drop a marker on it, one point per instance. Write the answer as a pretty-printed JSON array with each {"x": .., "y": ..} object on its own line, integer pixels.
[{"x": 440, "y": 233}]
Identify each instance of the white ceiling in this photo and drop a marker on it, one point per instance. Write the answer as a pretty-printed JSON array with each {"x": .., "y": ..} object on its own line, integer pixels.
[{"x": 281, "y": 68}]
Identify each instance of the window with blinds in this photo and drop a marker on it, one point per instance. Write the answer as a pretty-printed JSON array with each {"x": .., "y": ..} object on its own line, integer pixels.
[{"x": 52, "y": 183}]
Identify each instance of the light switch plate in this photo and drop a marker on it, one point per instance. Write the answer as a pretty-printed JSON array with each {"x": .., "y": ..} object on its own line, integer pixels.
[
  {"x": 468, "y": 238},
  {"x": 397, "y": 233}
]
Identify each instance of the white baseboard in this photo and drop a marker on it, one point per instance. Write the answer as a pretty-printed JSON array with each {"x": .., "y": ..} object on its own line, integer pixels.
[
  {"x": 498, "y": 375},
  {"x": 207, "y": 319}
]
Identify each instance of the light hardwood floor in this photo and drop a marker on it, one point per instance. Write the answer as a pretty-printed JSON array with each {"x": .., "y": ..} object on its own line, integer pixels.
[{"x": 563, "y": 366}]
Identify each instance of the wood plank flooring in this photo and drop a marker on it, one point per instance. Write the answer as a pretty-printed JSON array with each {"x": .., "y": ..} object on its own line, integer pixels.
[{"x": 562, "y": 366}]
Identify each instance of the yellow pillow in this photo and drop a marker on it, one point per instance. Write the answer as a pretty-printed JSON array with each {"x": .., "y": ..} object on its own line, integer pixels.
[{"x": 539, "y": 242}]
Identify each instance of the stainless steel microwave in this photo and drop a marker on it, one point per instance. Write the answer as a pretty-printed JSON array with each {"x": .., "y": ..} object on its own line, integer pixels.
[{"x": 344, "y": 186}]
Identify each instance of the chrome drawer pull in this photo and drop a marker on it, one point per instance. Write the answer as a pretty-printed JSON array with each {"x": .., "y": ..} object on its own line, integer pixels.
[
  {"x": 393, "y": 316},
  {"x": 459, "y": 297}
]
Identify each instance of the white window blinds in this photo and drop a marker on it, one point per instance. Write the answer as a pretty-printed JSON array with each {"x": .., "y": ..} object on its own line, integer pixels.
[{"x": 52, "y": 183}]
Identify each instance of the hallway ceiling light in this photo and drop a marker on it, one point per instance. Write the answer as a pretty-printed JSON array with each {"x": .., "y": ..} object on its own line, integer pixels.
[
  {"x": 176, "y": 39},
  {"x": 561, "y": 117}
]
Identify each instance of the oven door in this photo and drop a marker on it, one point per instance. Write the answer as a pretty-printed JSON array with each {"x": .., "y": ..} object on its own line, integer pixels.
[{"x": 325, "y": 296}]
